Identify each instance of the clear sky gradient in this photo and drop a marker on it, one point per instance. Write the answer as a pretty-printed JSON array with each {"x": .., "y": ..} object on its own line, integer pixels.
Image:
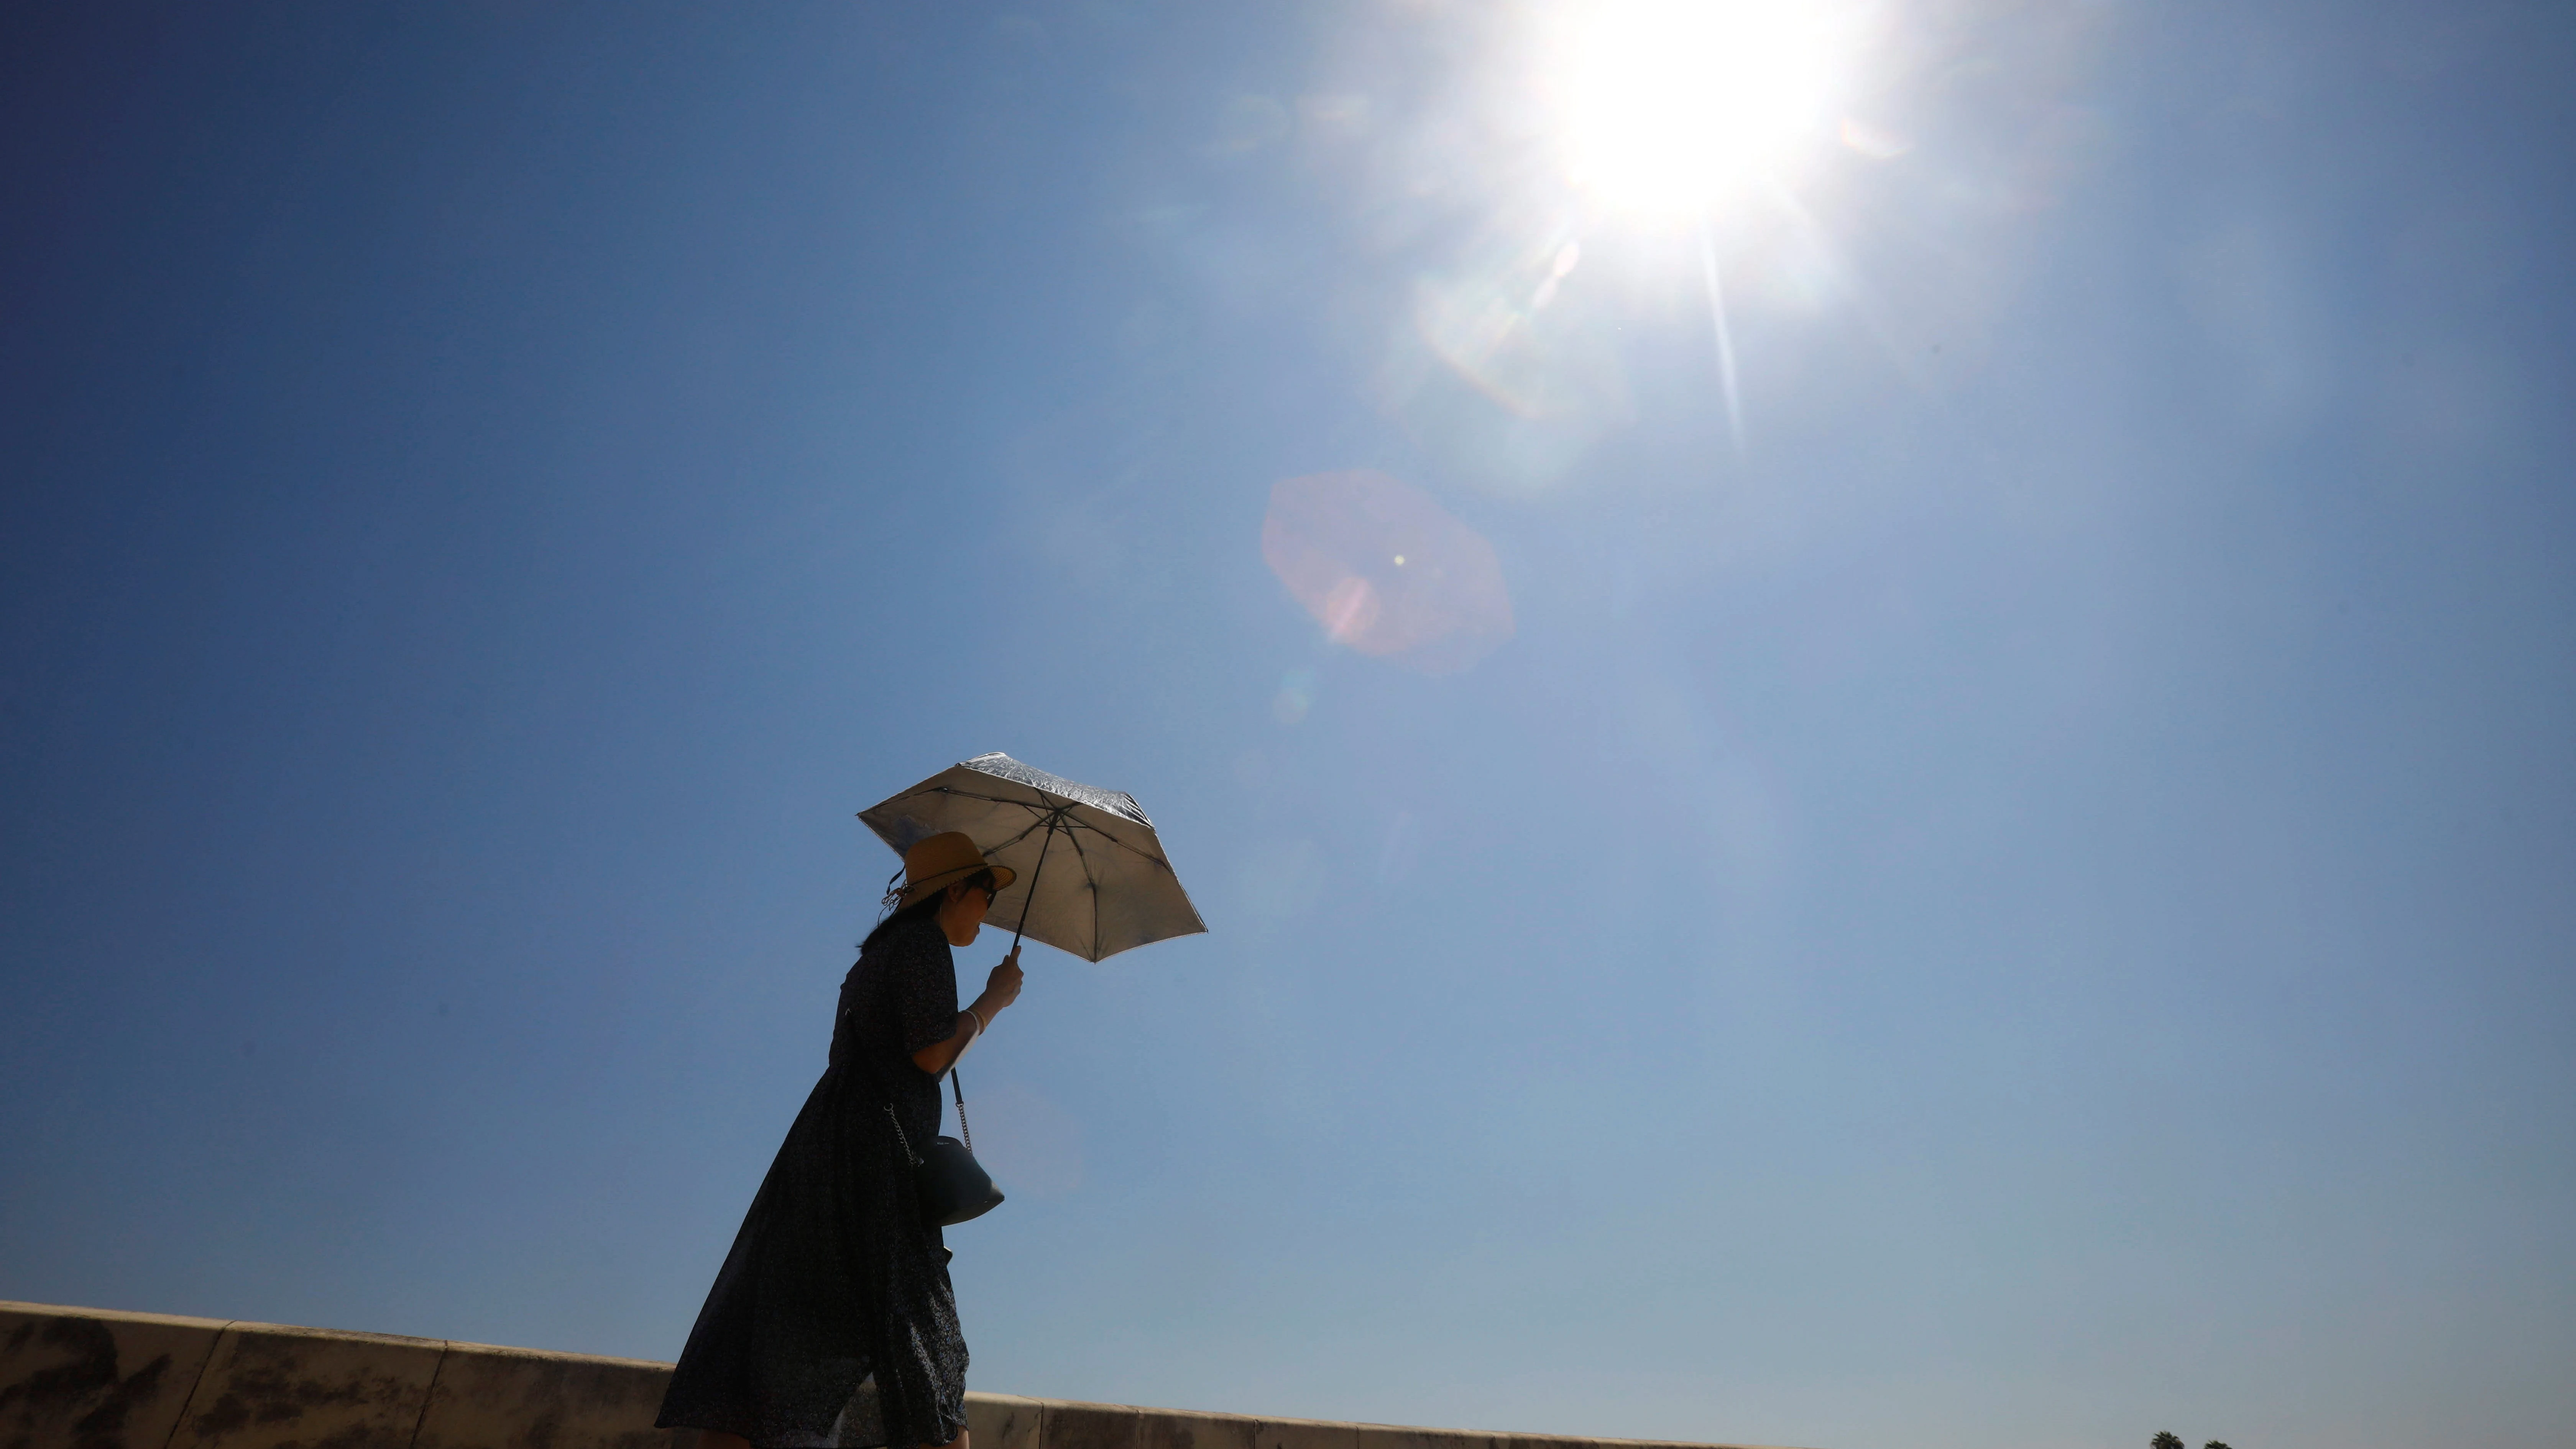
[{"x": 2023, "y": 897}]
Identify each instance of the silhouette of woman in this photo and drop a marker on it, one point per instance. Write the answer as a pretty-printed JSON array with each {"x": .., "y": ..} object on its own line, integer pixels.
[{"x": 836, "y": 1277}]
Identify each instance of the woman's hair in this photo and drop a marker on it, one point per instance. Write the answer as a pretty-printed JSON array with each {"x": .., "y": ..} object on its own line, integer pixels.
[{"x": 924, "y": 908}]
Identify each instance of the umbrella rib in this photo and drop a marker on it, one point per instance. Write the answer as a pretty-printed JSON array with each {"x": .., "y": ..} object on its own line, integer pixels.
[
  {"x": 1042, "y": 812},
  {"x": 1087, "y": 878},
  {"x": 988, "y": 799},
  {"x": 1023, "y": 835}
]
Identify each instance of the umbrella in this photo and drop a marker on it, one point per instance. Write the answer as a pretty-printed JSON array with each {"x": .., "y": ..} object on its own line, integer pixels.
[{"x": 1111, "y": 887}]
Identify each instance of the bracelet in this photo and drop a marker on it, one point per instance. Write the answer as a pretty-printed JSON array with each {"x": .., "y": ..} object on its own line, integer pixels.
[{"x": 981, "y": 1025}]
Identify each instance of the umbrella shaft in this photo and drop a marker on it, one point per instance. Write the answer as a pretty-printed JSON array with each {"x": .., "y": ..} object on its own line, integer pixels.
[{"x": 1034, "y": 872}]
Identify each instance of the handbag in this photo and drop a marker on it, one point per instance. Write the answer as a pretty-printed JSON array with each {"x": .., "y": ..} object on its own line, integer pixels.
[{"x": 952, "y": 1185}]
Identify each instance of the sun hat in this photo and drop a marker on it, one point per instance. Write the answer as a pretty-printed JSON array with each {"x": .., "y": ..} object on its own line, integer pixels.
[{"x": 945, "y": 859}]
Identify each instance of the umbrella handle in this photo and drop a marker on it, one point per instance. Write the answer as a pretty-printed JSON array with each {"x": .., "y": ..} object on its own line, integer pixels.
[{"x": 1034, "y": 872}]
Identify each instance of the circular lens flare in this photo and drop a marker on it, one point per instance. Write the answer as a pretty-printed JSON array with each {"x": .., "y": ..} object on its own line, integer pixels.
[{"x": 1669, "y": 105}]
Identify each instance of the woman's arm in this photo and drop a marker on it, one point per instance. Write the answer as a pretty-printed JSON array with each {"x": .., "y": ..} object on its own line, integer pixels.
[{"x": 1000, "y": 990}]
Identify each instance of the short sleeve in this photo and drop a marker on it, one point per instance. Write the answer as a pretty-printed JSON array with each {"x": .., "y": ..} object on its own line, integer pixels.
[{"x": 921, "y": 985}]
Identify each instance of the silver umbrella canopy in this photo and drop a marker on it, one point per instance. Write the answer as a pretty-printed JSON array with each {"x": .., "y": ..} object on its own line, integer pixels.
[{"x": 1092, "y": 879}]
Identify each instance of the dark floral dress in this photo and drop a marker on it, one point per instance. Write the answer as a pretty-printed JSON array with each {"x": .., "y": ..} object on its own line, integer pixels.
[{"x": 835, "y": 1276}]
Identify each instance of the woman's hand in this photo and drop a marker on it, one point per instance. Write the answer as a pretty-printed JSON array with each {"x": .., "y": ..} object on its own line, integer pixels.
[
  {"x": 1002, "y": 987},
  {"x": 1000, "y": 990}
]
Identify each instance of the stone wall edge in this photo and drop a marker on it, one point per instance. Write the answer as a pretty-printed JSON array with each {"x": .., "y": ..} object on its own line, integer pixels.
[{"x": 1148, "y": 1426}]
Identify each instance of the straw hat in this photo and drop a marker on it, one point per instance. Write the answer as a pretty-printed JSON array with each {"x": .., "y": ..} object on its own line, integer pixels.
[{"x": 943, "y": 860}]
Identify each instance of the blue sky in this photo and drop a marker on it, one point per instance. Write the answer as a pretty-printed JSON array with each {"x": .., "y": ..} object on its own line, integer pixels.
[{"x": 2019, "y": 898}]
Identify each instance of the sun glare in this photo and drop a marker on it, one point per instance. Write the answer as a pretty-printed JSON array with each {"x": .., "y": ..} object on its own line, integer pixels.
[{"x": 1670, "y": 105}]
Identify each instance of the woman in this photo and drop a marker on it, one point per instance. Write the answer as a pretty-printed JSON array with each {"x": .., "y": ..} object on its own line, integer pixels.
[{"x": 835, "y": 1276}]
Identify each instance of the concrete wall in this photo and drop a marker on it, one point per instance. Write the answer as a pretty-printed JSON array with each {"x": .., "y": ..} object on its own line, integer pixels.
[{"x": 78, "y": 1378}]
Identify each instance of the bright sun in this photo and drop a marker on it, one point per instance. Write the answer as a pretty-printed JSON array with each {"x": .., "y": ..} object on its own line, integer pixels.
[{"x": 1670, "y": 105}]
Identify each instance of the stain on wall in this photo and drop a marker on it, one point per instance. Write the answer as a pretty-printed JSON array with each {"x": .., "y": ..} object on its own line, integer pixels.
[{"x": 71, "y": 1380}]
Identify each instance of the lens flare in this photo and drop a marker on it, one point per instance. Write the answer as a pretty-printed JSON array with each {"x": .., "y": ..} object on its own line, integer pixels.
[{"x": 1386, "y": 571}]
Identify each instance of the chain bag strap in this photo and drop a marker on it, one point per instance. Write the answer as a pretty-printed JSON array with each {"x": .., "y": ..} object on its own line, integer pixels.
[
  {"x": 963, "y": 1130},
  {"x": 910, "y": 1156},
  {"x": 951, "y": 1184}
]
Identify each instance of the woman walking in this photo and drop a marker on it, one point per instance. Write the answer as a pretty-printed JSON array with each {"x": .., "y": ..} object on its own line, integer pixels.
[{"x": 835, "y": 1276}]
